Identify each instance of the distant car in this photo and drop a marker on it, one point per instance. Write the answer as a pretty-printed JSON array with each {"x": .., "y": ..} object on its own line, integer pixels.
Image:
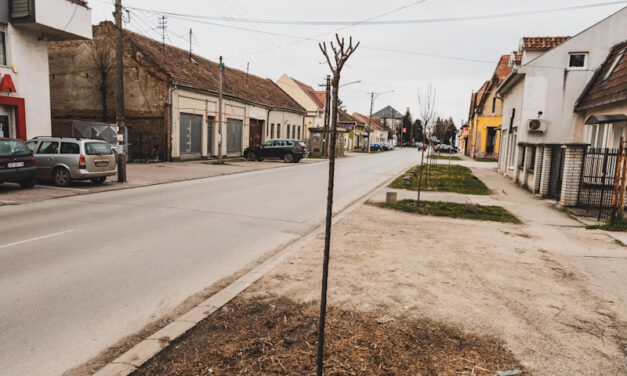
[
  {"x": 17, "y": 164},
  {"x": 420, "y": 146},
  {"x": 443, "y": 148},
  {"x": 386, "y": 146},
  {"x": 65, "y": 159},
  {"x": 376, "y": 146},
  {"x": 291, "y": 151}
]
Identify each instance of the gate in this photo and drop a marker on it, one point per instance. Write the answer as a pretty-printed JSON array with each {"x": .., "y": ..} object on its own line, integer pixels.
[
  {"x": 601, "y": 185},
  {"x": 233, "y": 135},
  {"x": 254, "y": 134}
]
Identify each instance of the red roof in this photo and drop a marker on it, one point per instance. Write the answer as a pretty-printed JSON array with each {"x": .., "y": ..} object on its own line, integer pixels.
[
  {"x": 601, "y": 91},
  {"x": 364, "y": 119},
  {"x": 202, "y": 74},
  {"x": 503, "y": 69},
  {"x": 311, "y": 93},
  {"x": 542, "y": 43},
  {"x": 322, "y": 96}
]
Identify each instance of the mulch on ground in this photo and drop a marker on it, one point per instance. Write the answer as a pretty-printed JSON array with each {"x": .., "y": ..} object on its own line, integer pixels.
[{"x": 276, "y": 336}]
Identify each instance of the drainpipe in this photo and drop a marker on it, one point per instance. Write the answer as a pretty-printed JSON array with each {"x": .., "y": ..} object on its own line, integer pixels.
[
  {"x": 172, "y": 90},
  {"x": 263, "y": 137}
]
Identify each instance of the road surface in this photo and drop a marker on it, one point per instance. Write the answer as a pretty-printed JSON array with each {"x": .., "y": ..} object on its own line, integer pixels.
[{"x": 78, "y": 274}]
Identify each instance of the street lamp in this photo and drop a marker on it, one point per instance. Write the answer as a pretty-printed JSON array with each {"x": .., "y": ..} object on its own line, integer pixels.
[{"x": 374, "y": 96}]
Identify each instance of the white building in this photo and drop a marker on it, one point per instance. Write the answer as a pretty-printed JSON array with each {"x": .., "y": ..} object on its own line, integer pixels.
[
  {"x": 26, "y": 26},
  {"x": 543, "y": 137}
]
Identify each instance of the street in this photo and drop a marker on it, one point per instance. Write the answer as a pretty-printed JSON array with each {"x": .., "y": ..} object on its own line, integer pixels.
[{"x": 79, "y": 273}]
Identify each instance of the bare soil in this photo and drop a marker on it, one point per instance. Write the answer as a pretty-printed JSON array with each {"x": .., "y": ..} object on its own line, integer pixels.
[{"x": 276, "y": 336}]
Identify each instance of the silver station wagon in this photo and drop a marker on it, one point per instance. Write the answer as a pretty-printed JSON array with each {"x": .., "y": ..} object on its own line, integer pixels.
[{"x": 64, "y": 159}]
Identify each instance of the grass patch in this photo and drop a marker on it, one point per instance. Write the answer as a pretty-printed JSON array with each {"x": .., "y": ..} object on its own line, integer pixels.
[
  {"x": 485, "y": 160},
  {"x": 617, "y": 225},
  {"x": 315, "y": 157},
  {"x": 454, "y": 210},
  {"x": 444, "y": 178},
  {"x": 452, "y": 158}
]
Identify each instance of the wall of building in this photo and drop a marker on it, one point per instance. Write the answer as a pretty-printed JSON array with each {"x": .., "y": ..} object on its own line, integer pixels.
[
  {"x": 66, "y": 16},
  {"x": 512, "y": 102},
  {"x": 30, "y": 57},
  {"x": 552, "y": 88},
  {"x": 284, "y": 118}
]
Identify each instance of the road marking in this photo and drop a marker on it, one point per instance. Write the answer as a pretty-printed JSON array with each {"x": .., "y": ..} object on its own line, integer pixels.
[
  {"x": 34, "y": 239},
  {"x": 63, "y": 188}
]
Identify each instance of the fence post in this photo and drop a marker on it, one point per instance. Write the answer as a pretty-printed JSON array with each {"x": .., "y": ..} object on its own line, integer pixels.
[
  {"x": 621, "y": 197},
  {"x": 617, "y": 181},
  {"x": 603, "y": 171}
]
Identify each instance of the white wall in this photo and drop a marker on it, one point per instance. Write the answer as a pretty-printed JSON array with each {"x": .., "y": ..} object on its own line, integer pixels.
[
  {"x": 30, "y": 57},
  {"x": 552, "y": 88},
  {"x": 66, "y": 17}
]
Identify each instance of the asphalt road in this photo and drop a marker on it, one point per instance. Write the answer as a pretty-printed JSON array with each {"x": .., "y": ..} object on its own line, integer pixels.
[{"x": 78, "y": 274}]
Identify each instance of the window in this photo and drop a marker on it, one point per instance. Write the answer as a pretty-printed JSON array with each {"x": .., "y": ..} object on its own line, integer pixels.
[
  {"x": 577, "y": 60},
  {"x": 614, "y": 64},
  {"x": 299, "y": 132},
  {"x": 278, "y": 130},
  {"x": 288, "y": 131},
  {"x": 598, "y": 135},
  {"x": 70, "y": 148},
  {"x": 272, "y": 130},
  {"x": 3, "y": 45},
  {"x": 493, "y": 104},
  {"x": 97, "y": 148},
  {"x": 49, "y": 147}
]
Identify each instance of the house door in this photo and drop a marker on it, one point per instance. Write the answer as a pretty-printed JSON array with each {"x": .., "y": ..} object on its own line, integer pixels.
[
  {"x": 190, "y": 133},
  {"x": 234, "y": 135},
  {"x": 557, "y": 170},
  {"x": 210, "y": 122},
  {"x": 491, "y": 142},
  {"x": 254, "y": 135},
  {"x": 4, "y": 126}
]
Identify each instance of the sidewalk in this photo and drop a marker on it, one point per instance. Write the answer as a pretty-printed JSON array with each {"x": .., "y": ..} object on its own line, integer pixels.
[
  {"x": 552, "y": 291},
  {"x": 139, "y": 175}
]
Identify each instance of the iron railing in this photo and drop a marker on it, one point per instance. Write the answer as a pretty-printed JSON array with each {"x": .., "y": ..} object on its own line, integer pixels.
[{"x": 598, "y": 176}]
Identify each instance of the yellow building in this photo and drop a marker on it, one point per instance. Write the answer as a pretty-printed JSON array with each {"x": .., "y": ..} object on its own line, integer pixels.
[{"x": 486, "y": 114}]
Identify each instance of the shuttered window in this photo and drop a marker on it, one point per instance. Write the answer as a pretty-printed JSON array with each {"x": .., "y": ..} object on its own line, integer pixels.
[
  {"x": 20, "y": 8},
  {"x": 3, "y": 46}
]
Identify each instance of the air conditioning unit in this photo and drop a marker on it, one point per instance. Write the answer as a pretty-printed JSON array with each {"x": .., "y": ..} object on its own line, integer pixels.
[{"x": 536, "y": 126}]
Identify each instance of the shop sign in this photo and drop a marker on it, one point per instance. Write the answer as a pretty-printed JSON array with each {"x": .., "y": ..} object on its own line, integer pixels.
[{"x": 7, "y": 84}]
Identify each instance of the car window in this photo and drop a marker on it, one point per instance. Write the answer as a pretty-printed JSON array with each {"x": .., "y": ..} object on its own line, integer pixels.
[
  {"x": 279, "y": 143},
  {"x": 97, "y": 148},
  {"x": 11, "y": 147},
  {"x": 300, "y": 143},
  {"x": 70, "y": 148},
  {"x": 289, "y": 143},
  {"x": 32, "y": 145},
  {"x": 49, "y": 147},
  {"x": 269, "y": 143}
]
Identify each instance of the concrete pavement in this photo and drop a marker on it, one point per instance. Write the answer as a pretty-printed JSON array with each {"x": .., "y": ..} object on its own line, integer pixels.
[{"x": 79, "y": 273}]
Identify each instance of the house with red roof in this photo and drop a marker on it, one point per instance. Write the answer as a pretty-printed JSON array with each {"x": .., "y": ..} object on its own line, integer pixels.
[
  {"x": 548, "y": 124},
  {"x": 171, "y": 100},
  {"x": 485, "y": 116},
  {"x": 311, "y": 100}
]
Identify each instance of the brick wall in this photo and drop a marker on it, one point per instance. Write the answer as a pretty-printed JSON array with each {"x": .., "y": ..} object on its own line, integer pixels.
[
  {"x": 573, "y": 159},
  {"x": 545, "y": 175},
  {"x": 537, "y": 169}
]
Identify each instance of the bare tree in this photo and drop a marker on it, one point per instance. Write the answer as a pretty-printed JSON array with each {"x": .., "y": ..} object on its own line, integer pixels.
[
  {"x": 426, "y": 112},
  {"x": 103, "y": 59},
  {"x": 341, "y": 53}
]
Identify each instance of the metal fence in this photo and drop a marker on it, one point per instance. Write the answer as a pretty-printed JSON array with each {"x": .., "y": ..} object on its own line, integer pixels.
[{"x": 598, "y": 175}]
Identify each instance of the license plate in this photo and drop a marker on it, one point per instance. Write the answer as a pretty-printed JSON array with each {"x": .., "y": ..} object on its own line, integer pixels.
[
  {"x": 102, "y": 164},
  {"x": 15, "y": 164}
]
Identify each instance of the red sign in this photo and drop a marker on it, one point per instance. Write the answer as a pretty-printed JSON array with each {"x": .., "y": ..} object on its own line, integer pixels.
[
  {"x": 7, "y": 84},
  {"x": 404, "y": 130}
]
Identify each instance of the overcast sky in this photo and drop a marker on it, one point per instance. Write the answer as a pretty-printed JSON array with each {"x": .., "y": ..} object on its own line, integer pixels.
[{"x": 480, "y": 41}]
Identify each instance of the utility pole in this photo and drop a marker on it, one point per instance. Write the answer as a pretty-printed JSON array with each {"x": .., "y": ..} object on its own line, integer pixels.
[
  {"x": 220, "y": 114},
  {"x": 394, "y": 126},
  {"x": 370, "y": 120},
  {"x": 190, "y": 44},
  {"x": 327, "y": 115},
  {"x": 119, "y": 65}
]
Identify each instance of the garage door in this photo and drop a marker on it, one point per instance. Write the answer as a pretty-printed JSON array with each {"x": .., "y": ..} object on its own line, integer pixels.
[
  {"x": 233, "y": 135},
  {"x": 190, "y": 133}
]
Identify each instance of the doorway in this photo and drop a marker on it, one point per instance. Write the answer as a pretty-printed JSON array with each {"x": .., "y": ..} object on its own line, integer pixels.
[
  {"x": 4, "y": 126},
  {"x": 254, "y": 134},
  {"x": 234, "y": 135},
  {"x": 190, "y": 133}
]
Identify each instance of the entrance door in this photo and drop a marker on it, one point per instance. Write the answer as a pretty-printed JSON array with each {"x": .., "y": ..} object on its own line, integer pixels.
[
  {"x": 254, "y": 134},
  {"x": 4, "y": 126},
  {"x": 190, "y": 133},
  {"x": 557, "y": 170},
  {"x": 234, "y": 135},
  {"x": 210, "y": 123}
]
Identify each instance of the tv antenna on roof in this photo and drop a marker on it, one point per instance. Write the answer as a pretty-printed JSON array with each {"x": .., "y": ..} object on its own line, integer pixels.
[{"x": 163, "y": 25}]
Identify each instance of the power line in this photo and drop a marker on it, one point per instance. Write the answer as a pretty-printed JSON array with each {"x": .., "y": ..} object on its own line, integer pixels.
[{"x": 371, "y": 21}]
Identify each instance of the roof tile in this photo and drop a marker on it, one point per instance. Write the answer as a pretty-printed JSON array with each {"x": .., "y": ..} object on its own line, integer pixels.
[{"x": 601, "y": 92}]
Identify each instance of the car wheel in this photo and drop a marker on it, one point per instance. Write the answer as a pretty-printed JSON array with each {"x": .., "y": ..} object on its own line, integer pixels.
[
  {"x": 99, "y": 180},
  {"x": 30, "y": 183},
  {"x": 61, "y": 177},
  {"x": 251, "y": 156},
  {"x": 288, "y": 158}
]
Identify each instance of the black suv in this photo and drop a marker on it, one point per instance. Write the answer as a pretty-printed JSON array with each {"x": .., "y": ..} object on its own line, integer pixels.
[
  {"x": 286, "y": 149},
  {"x": 17, "y": 163}
]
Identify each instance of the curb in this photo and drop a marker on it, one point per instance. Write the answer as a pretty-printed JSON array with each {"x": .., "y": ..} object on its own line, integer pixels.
[{"x": 139, "y": 354}]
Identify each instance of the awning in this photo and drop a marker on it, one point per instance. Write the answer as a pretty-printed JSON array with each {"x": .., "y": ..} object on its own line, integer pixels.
[{"x": 601, "y": 119}]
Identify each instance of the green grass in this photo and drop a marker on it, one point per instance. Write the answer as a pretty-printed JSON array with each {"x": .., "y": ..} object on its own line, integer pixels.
[
  {"x": 485, "y": 160},
  {"x": 616, "y": 225},
  {"x": 445, "y": 178},
  {"x": 454, "y": 210},
  {"x": 315, "y": 157},
  {"x": 452, "y": 158}
]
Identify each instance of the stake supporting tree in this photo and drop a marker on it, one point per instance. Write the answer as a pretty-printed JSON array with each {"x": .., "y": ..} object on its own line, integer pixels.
[{"x": 341, "y": 53}]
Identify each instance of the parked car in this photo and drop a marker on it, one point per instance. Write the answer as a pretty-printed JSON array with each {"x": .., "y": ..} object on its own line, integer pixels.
[
  {"x": 376, "y": 146},
  {"x": 65, "y": 159},
  {"x": 386, "y": 147},
  {"x": 17, "y": 164},
  {"x": 286, "y": 149},
  {"x": 420, "y": 146},
  {"x": 443, "y": 148}
]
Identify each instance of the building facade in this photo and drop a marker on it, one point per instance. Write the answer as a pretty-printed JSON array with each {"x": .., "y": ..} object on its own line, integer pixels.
[
  {"x": 311, "y": 100},
  {"x": 25, "y": 29},
  {"x": 171, "y": 98}
]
